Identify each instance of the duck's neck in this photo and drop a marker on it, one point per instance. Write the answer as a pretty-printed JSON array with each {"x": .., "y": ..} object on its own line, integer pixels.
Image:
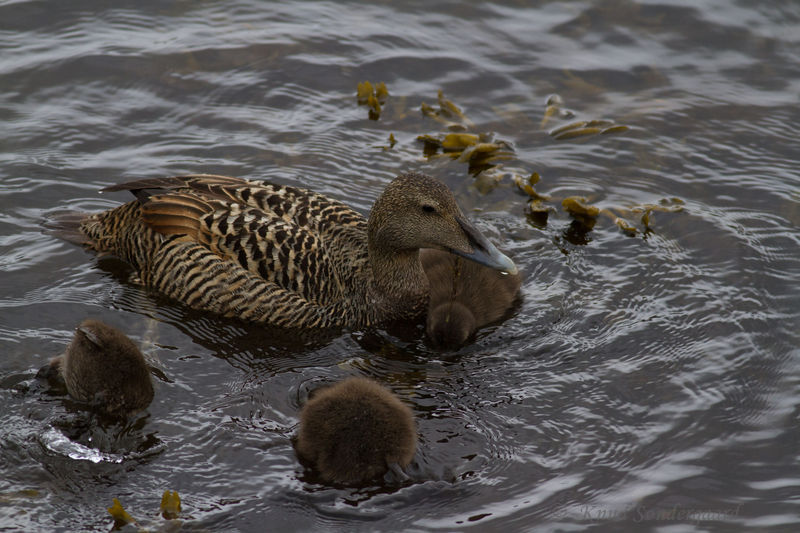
[{"x": 400, "y": 285}]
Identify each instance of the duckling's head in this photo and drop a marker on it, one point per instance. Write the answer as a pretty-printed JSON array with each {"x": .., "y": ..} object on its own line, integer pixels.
[
  {"x": 354, "y": 431},
  {"x": 417, "y": 211},
  {"x": 104, "y": 367},
  {"x": 450, "y": 324}
]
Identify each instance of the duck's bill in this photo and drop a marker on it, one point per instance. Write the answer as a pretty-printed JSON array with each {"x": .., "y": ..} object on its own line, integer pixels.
[{"x": 483, "y": 252}]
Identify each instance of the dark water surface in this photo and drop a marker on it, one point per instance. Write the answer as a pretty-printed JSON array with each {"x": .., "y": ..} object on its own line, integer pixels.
[{"x": 646, "y": 382}]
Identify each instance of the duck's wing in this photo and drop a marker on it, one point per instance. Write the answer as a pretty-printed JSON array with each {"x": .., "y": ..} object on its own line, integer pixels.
[
  {"x": 296, "y": 239},
  {"x": 191, "y": 273},
  {"x": 294, "y": 204},
  {"x": 208, "y": 185}
]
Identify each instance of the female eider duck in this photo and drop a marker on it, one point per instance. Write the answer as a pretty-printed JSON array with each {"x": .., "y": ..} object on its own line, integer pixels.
[
  {"x": 286, "y": 256},
  {"x": 103, "y": 367},
  {"x": 354, "y": 431},
  {"x": 464, "y": 296}
]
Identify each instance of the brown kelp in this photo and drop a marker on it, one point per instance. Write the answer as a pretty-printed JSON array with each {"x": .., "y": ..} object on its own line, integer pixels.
[
  {"x": 170, "y": 510},
  {"x": 373, "y": 97}
]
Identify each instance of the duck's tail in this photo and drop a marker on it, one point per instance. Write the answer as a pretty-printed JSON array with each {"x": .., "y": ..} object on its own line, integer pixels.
[
  {"x": 67, "y": 226},
  {"x": 119, "y": 231}
]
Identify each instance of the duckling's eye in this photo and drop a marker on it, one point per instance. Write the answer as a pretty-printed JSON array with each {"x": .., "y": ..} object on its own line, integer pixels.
[{"x": 428, "y": 208}]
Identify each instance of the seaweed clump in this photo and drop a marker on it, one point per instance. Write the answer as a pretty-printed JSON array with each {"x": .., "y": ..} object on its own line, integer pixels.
[
  {"x": 480, "y": 150},
  {"x": 170, "y": 510},
  {"x": 538, "y": 209},
  {"x": 486, "y": 158},
  {"x": 554, "y": 107},
  {"x": 586, "y": 214},
  {"x": 583, "y": 128},
  {"x": 373, "y": 97}
]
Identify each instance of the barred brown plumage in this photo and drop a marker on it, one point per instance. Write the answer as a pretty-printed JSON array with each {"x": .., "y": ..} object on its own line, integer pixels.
[{"x": 287, "y": 256}]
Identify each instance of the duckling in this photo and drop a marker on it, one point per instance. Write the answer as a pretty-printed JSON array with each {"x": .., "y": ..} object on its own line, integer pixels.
[
  {"x": 286, "y": 256},
  {"x": 356, "y": 430},
  {"x": 103, "y": 367},
  {"x": 464, "y": 296}
]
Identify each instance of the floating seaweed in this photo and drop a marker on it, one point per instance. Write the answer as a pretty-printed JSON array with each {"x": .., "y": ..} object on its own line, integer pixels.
[
  {"x": 170, "y": 504},
  {"x": 170, "y": 510},
  {"x": 447, "y": 114},
  {"x": 585, "y": 214},
  {"x": 665, "y": 205},
  {"x": 480, "y": 151},
  {"x": 617, "y": 128},
  {"x": 554, "y": 108},
  {"x": 578, "y": 206},
  {"x": 120, "y": 515},
  {"x": 526, "y": 186},
  {"x": 580, "y": 128},
  {"x": 374, "y": 97},
  {"x": 580, "y": 210},
  {"x": 538, "y": 212},
  {"x": 392, "y": 142},
  {"x": 486, "y": 155},
  {"x": 621, "y": 223},
  {"x": 456, "y": 142}
]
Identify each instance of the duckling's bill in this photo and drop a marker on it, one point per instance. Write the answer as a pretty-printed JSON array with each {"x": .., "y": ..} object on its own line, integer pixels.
[{"x": 483, "y": 252}]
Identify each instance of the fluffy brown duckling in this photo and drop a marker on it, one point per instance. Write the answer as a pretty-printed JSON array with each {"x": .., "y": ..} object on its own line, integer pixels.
[
  {"x": 464, "y": 296},
  {"x": 103, "y": 367},
  {"x": 281, "y": 255},
  {"x": 354, "y": 431}
]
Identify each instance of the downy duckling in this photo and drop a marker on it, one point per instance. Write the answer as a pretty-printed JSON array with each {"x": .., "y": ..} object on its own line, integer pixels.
[
  {"x": 103, "y": 367},
  {"x": 464, "y": 296},
  {"x": 354, "y": 431}
]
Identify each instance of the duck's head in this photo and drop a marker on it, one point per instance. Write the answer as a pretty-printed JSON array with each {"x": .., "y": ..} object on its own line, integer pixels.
[{"x": 417, "y": 211}]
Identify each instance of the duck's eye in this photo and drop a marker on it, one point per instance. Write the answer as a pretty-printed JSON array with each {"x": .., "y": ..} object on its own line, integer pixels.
[{"x": 428, "y": 208}]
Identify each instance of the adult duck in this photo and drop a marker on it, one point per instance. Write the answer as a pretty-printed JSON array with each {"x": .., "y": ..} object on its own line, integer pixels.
[{"x": 286, "y": 256}]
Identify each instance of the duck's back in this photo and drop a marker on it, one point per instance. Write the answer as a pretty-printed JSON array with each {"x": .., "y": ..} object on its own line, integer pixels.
[
  {"x": 465, "y": 287},
  {"x": 303, "y": 249}
]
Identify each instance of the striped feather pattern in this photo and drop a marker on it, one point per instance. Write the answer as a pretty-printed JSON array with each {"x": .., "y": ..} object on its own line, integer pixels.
[{"x": 261, "y": 252}]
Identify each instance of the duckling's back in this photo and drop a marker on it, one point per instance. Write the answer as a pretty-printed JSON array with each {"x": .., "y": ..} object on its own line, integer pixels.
[
  {"x": 104, "y": 367},
  {"x": 464, "y": 296},
  {"x": 353, "y": 430}
]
